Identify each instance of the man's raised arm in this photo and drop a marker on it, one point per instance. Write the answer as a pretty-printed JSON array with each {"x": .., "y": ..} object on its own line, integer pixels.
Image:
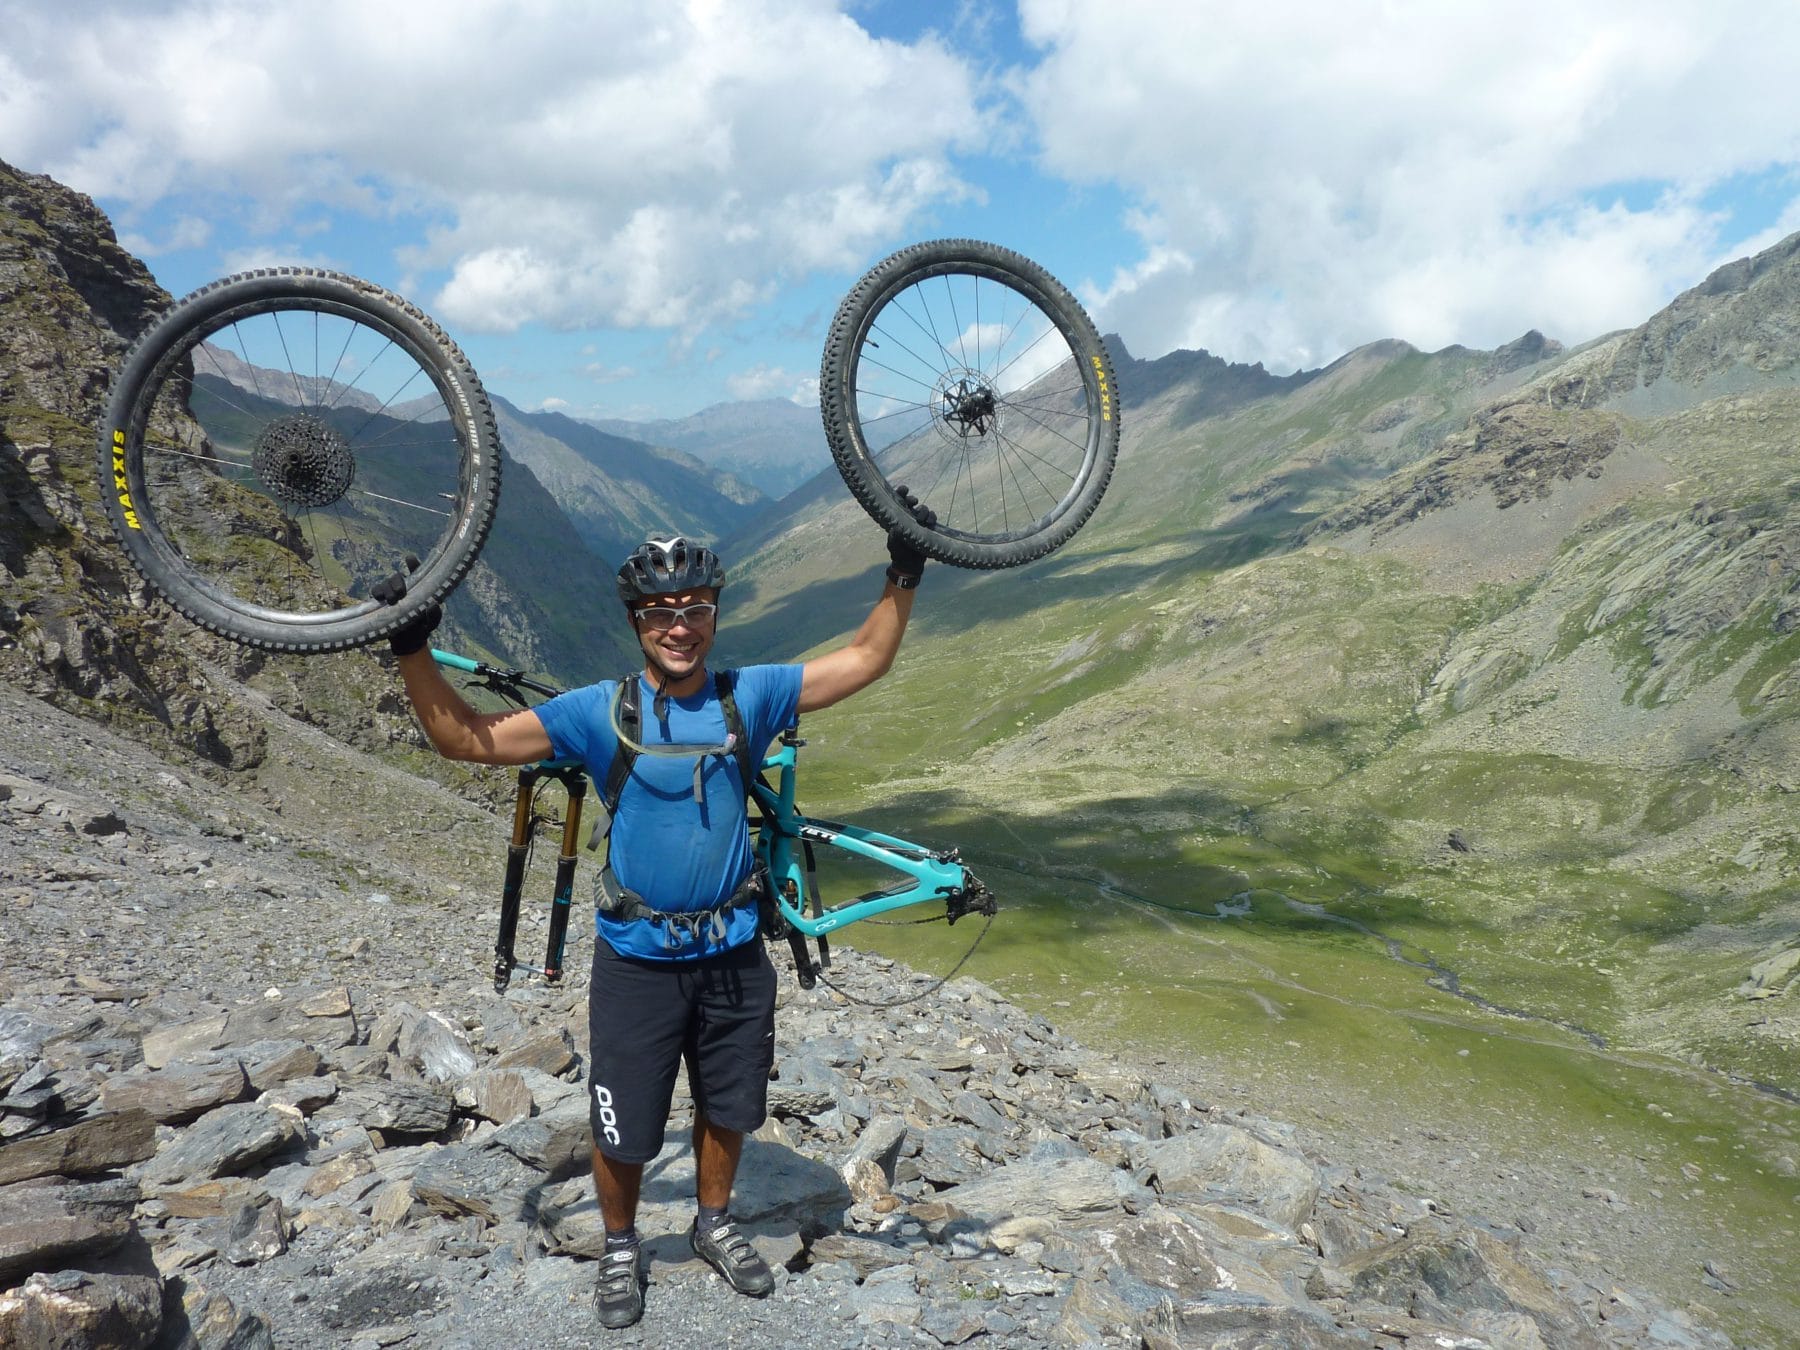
[{"x": 870, "y": 654}]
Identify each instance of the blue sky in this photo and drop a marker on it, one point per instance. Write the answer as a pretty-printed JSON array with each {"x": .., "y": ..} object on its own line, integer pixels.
[{"x": 641, "y": 208}]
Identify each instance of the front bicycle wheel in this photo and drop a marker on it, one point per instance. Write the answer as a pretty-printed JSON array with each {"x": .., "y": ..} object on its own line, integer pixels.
[
  {"x": 969, "y": 374},
  {"x": 284, "y": 440}
]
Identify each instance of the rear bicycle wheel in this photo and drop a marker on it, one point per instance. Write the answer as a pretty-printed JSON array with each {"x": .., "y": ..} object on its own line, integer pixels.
[
  {"x": 969, "y": 374},
  {"x": 282, "y": 441}
]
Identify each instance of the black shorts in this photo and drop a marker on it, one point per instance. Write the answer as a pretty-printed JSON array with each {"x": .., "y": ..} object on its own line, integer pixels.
[{"x": 646, "y": 1017}]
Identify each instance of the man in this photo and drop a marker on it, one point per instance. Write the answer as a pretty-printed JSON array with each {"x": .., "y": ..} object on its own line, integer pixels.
[{"x": 680, "y": 971}]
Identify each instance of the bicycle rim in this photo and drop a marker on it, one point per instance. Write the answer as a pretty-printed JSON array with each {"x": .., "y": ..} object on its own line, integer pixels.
[
  {"x": 971, "y": 377},
  {"x": 288, "y": 441}
]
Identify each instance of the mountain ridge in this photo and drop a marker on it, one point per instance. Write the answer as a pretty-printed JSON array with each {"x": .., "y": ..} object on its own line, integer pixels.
[{"x": 773, "y": 443}]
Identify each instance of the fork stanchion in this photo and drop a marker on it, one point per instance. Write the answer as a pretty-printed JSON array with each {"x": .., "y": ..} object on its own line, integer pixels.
[
  {"x": 803, "y": 966},
  {"x": 516, "y": 854},
  {"x": 576, "y": 782},
  {"x": 818, "y": 903}
]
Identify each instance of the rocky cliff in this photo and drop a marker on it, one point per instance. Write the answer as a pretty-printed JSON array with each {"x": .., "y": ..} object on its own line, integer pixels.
[{"x": 78, "y": 627}]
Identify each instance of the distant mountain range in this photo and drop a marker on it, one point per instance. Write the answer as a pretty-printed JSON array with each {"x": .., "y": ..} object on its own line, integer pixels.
[
  {"x": 1497, "y": 650},
  {"x": 773, "y": 443}
]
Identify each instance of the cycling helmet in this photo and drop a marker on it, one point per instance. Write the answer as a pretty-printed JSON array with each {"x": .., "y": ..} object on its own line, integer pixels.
[{"x": 668, "y": 567}]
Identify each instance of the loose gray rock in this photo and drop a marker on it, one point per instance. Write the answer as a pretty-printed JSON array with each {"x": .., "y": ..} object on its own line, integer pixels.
[
  {"x": 546, "y": 1051},
  {"x": 224, "y": 1143},
  {"x": 1036, "y": 1199},
  {"x": 440, "y": 1050},
  {"x": 400, "y": 1108},
  {"x": 165, "y": 1045},
  {"x": 178, "y": 1093},
  {"x": 97, "y": 1144},
  {"x": 1227, "y": 1163},
  {"x": 211, "y": 1321},
  {"x": 491, "y": 1183},
  {"x": 70, "y": 1309},
  {"x": 499, "y": 1095},
  {"x": 46, "y": 1225},
  {"x": 256, "y": 1233}
]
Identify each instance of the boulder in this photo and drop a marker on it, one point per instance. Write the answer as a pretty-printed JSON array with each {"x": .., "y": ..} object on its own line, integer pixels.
[
  {"x": 73, "y": 1309},
  {"x": 1035, "y": 1198},
  {"x": 1231, "y": 1165},
  {"x": 178, "y": 1093},
  {"x": 101, "y": 1143},
  {"x": 49, "y": 1224},
  {"x": 224, "y": 1143},
  {"x": 398, "y": 1108}
]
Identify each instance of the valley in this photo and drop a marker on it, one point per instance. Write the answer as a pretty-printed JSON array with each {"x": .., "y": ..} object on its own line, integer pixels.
[{"x": 1483, "y": 663}]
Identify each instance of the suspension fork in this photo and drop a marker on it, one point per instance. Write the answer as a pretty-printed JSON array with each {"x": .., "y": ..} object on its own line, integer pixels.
[
  {"x": 804, "y": 970},
  {"x": 565, "y": 877},
  {"x": 524, "y": 825},
  {"x": 506, "y": 959}
]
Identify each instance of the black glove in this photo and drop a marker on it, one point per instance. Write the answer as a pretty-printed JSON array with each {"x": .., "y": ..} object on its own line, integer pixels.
[
  {"x": 908, "y": 561},
  {"x": 412, "y": 635}
]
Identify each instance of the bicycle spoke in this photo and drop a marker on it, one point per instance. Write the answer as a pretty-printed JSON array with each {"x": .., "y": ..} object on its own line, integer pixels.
[
  {"x": 182, "y": 453},
  {"x": 355, "y": 565},
  {"x": 902, "y": 409},
  {"x": 415, "y": 506},
  {"x": 929, "y": 330},
  {"x": 1026, "y": 351},
  {"x": 955, "y": 320},
  {"x": 968, "y": 370},
  {"x": 900, "y": 374},
  {"x": 293, "y": 375},
  {"x": 1023, "y": 459},
  {"x": 299, "y": 383},
  {"x": 1055, "y": 431}
]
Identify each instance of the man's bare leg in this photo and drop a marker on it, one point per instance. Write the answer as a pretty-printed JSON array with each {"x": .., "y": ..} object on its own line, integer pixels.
[
  {"x": 616, "y": 1185},
  {"x": 716, "y": 1238},
  {"x": 619, "y": 1298},
  {"x": 716, "y": 1154}
]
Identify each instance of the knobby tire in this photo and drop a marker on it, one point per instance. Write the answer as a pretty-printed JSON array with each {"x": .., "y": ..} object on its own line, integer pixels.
[
  {"x": 968, "y": 374},
  {"x": 285, "y": 439}
]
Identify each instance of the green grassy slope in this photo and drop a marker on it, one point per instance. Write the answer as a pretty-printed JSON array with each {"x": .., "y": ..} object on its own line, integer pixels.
[{"x": 1416, "y": 724}]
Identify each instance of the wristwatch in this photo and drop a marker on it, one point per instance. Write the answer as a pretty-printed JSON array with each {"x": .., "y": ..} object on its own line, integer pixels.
[{"x": 901, "y": 581}]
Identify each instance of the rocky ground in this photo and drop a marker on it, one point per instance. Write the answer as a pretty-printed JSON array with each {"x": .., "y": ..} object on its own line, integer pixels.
[{"x": 256, "y": 1089}]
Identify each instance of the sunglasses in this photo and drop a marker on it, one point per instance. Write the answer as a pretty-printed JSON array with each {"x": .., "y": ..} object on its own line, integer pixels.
[{"x": 661, "y": 617}]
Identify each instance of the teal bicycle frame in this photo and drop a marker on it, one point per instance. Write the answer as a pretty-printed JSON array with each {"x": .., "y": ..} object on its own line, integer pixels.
[{"x": 783, "y": 843}]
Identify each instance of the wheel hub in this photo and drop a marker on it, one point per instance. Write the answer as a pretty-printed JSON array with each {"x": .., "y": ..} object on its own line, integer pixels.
[
  {"x": 966, "y": 405},
  {"x": 302, "y": 461}
]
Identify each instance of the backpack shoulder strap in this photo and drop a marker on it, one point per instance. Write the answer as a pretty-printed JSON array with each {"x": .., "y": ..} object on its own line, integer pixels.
[
  {"x": 725, "y": 681},
  {"x": 631, "y": 721}
]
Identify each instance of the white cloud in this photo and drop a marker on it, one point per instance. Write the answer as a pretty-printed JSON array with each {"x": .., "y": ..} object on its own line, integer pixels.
[
  {"x": 775, "y": 382},
  {"x": 1299, "y": 178},
  {"x": 635, "y": 163},
  {"x": 1310, "y": 177},
  {"x": 602, "y": 372},
  {"x": 187, "y": 231}
]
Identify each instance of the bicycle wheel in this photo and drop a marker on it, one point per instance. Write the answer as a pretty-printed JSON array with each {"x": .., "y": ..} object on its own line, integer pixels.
[
  {"x": 969, "y": 374},
  {"x": 285, "y": 439}
]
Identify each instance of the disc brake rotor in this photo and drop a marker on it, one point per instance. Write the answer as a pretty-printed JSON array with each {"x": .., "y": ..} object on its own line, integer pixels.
[{"x": 965, "y": 406}]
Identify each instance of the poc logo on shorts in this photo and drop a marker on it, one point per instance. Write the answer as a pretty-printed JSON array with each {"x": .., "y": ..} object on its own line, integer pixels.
[{"x": 609, "y": 1118}]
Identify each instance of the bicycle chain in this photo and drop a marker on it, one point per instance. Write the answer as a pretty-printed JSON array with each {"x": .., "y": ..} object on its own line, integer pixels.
[{"x": 929, "y": 989}]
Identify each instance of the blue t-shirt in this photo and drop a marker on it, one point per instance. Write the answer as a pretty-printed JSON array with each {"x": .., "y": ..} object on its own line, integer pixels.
[{"x": 680, "y": 854}]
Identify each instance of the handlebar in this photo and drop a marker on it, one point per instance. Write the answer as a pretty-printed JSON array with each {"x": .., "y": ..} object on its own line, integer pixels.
[{"x": 493, "y": 676}]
